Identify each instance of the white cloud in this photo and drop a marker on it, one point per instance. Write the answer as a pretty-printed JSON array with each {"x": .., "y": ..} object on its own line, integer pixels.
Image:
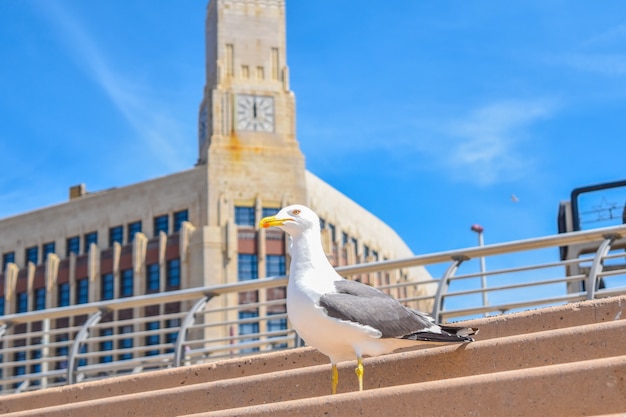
[
  {"x": 148, "y": 118},
  {"x": 485, "y": 146}
]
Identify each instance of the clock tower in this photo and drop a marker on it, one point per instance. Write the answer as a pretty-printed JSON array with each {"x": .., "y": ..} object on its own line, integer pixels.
[{"x": 246, "y": 132}]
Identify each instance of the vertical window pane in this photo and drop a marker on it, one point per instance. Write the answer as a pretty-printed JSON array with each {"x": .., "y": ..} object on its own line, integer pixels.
[
  {"x": 2, "y": 308},
  {"x": 126, "y": 284},
  {"x": 48, "y": 248},
  {"x": 116, "y": 234},
  {"x": 82, "y": 291},
  {"x": 152, "y": 339},
  {"x": 64, "y": 295},
  {"x": 275, "y": 265},
  {"x": 106, "y": 345},
  {"x": 244, "y": 216},
  {"x": 161, "y": 224},
  {"x": 269, "y": 211},
  {"x": 40, "y": 298},
  {"x": 91, "y": 237},
  {"x": 126, "y": 343},
  {"x": 107, "y": 291},
  {"x": 73, "y": 246},
  {"x": 133, "y": 228},
  {"x": 179, "y": 218},
  {"x": 32, "y": 254},
  {"x": 251, "y": 327},
  {"x": 153, "y": 281},
  {"x": 173, "y": 274},
  {"x": 7, "y": 258},
  {"x": 22, "y": 302},
  {"x": 248, "y": 267}
]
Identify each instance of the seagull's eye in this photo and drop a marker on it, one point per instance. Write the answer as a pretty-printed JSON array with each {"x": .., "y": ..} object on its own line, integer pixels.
[{"x": 295, "y": 212}]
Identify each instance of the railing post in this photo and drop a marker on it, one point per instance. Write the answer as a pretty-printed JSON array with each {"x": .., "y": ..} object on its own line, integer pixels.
[
  {"x": 3, "y": 329},
  {"x": 598, "y": 264},
  {"x": 444, "y": 282},
  {"x": 190, "y": 318},
  {"x": 83, "y": 333}
]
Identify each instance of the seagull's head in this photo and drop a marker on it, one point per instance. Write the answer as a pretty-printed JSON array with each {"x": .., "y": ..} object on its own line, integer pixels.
[{"x": 294, "y": 220}]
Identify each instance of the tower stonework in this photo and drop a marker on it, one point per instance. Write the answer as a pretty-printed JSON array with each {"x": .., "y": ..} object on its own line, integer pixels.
[{"x": 246, "y": 132}]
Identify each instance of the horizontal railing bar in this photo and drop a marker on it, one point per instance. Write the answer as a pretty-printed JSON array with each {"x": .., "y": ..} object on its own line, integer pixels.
[
  {"x": 513, "y": 306},
  {"x": 564, "y": 280},
  {"x": 563, "y": 239}
]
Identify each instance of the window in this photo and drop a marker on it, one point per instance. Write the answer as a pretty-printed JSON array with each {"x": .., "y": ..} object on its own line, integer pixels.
[
  {"x": 73, "y": 246},
  {"x": 366, "y": 251},
  {"x": 375, "y": 255},
  {"x": 48, "y": 248},
  {"x": 173, "y": 274},
  {"x": 22, "y": 302},
  {"x": 248, "y": 267},
  {"x": 249, "y": 327},
  {"x": 355, "y": 245},
  {"x": 82, "y": 291},
  {"x": 2, "y": 306},
  {"x": 153, "y": 281},
  {"x": 107, "y": 291},
  {"x": 91, "y": 237},
  {"x": 344, "y": 238},
  {"x": 152, "y": 339},
  {"x": 61, "y": 352},
  {"x": 179, "y": 218},
  {"x": 244, "y": 216},
  {"x": 19, "y": 356},
  {"x": 133, "y": 229},
  {"x": 39, "y": 298},
  {"x": 116, "y": 234},
  {"x": 171, "y": 337},
  {"x": 64, "y": 295},
  {"x": 35, "y": 368},
  {"x": 106, "y": 345},
  {"x": 7, "y": 258},
  {"x": 277, "y": 325},
  {"x": 333, "y": 232},
  {"x": 274, "y": 265},
  {"x": 32, "y": 254},
  {"x": 161, "y": 224},
  {"x": 126, "y": 284},
  {"x": 269, "y": 211},
  {"x": 126, "y": 343}
]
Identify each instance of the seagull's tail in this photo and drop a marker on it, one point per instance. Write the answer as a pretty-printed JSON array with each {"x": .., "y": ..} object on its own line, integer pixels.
[
  {"x": 464, "y": 333},
  {"x": 443, "y": 333}
]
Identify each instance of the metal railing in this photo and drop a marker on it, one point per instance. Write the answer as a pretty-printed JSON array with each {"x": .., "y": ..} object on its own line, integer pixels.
[{"x": 66, "y": 345}]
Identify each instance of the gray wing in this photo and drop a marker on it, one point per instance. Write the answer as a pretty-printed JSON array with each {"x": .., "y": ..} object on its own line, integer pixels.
[{"x": 368, "y": 306}]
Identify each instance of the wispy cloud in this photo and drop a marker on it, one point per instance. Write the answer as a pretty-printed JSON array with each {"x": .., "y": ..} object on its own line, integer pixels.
[
  {"x": 485, "y": 146},
  {"x": 148, "y": 118},
  {"x": 606, "y": 64}
]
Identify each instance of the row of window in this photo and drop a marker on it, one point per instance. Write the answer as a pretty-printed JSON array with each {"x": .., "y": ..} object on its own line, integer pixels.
[
  {"x": 116, "y": 234},
  {"x": 126, "y": 288},
  {"x": 245, "y": 215},
  {"x": 248, "y": 266}
]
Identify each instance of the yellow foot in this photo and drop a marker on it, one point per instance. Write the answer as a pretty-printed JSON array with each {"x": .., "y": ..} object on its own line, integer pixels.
[
  {"x": 359, "y": 373},
  {"x": 335, "y": 379}
]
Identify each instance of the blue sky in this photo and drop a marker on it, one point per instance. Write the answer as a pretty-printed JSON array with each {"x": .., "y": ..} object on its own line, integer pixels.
[{"x": 429, "y": 114}]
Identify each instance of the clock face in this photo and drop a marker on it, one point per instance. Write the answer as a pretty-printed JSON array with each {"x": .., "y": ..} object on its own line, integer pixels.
[{"x": 254, "y": 113}]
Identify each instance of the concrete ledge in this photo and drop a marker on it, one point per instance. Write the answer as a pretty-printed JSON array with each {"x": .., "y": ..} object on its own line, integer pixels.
[
  {"x": 574, "y": 389},
  {"x": 442, "y": 362},
  {"x": 535, "y": 345}
]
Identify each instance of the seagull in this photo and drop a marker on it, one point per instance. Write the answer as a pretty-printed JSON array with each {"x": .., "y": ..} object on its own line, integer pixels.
[{"x": 341, "y": 318}]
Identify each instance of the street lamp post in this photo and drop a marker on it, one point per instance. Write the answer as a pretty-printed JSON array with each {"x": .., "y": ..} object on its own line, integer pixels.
[{"x": 483, "y": 279}]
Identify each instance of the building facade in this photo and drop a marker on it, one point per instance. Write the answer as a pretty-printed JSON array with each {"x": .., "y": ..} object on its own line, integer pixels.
[{"x": 198, "y": 227}]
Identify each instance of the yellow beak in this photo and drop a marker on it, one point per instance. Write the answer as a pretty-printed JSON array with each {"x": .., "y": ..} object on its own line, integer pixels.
[{"x": 272, "y": 221}]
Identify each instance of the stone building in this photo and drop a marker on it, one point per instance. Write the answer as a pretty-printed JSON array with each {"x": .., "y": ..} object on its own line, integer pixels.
[{"x": 198, "y": 227}]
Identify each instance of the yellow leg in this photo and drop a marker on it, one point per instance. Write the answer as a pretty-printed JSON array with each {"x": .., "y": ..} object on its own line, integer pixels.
[
  {"x": 359, "y": 373},
  {"x": 335, "y": 379}
]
